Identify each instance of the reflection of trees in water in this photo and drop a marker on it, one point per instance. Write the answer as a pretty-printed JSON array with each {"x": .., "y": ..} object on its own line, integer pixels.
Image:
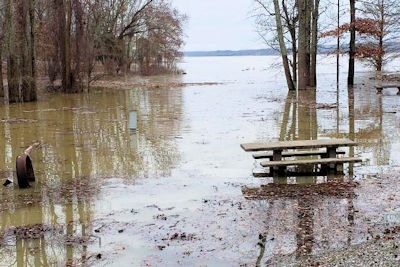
[
  {"x": 366, "y": 124},
  {"x": 304, "y": 219},
  {"x": 80, "y": 146},
  {"x": 368, "y": 109},
  {"x": 160, "y": 115},
  {"x": 299, "y": 117},
  {"x": 300, "y": 122}
]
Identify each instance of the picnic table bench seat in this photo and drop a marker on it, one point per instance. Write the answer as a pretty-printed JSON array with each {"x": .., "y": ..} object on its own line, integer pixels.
[
  {"x": 298, "y": 144},
  {"x": 380, "y": 87},
  {"x": 285, "y": 163},
  {"x": 296, "y": 153}
]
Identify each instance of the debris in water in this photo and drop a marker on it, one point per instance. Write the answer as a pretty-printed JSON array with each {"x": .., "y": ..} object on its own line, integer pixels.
[
  {"x": 31, "y": 232},
  {"x": 7, "y": 182}
]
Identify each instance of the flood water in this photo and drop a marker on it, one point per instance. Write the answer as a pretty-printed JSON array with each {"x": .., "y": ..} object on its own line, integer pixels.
[{"x": 172, "y": 192}]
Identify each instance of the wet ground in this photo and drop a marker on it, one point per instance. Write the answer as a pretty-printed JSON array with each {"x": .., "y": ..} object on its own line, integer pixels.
[{"x": 180, "y": 191}]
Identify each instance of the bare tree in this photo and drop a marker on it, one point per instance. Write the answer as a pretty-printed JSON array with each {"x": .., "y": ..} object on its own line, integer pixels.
[
  {"x": 377, "y": 29},
  {"x": 304, "y": 45},
  {"x": 352, "y": 46},
  {"x": 384, "y": 23},
  {"x": 280, "y": 28}
]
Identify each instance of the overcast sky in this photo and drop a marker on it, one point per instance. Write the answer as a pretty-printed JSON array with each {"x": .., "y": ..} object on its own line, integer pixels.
[{"x": 218, "y": 25}]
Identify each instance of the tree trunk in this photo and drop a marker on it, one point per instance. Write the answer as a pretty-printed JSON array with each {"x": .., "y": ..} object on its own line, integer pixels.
[
  {"x": 1, "y": 71},
  {"x": 303, "y": 46},
  {"x": 338, "y": 44},
  {"x": 123, "y": 59},
  {"x": 282, "y": 47},
  {"x": 12, "y": 63},
  {"x": 69, "y": 79},
  {"x": 79, "y": 45},
  {"x": 60, "y": 6},
  {"x": 314, "y": 44},
  {"x": 294, "y": 55},
  {"x": 64, "y": 28},
  {"x": 352, "y": 51},
  {"x": 309, "y": 8},
  {"x": 32, "y": 50},
  {"x": 381, "y": 49},
  {"x": 23, "y": 43},
  {"x": 291, "y": 25},
  {"x": 379, "y": 61}
]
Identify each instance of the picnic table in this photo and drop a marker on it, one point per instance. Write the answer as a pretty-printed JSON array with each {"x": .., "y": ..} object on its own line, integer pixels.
[{"x": 329, "y": 153}]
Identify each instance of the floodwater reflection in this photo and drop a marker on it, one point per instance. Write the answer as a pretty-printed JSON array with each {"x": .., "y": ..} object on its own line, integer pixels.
[
  {"x": 308, "y": 215},
  {"x": 182, "y": 171},
  {"x": 84, "y": 139}
]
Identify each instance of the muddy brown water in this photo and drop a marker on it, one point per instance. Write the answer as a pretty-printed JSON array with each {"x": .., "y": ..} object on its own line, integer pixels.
[{"x": 173, "y": 192}]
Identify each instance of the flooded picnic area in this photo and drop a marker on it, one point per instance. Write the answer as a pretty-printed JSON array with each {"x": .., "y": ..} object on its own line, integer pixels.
[{"x": 177, "y": 189}]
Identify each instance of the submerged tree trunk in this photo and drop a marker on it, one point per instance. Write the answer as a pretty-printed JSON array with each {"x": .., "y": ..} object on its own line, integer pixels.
[
  {"x": 68, "y": 75},
  {"x": 303, "y": 46},
  {"x": 314, "y": 44},
  {"x": 338, "y": 44},
  {"x": 282, "y": 47},
  {"x": 79, "y": 45},
  {"x": 32, "y": 50},
  {"x": 294, "y": 56},
  {"x": 59, "y": 5},
  {"x": 352, "y": 50},
  {"x": 24, "y": 44},
  {"x": 12, "y": 63},
  {"x": 64, "y": 31}
]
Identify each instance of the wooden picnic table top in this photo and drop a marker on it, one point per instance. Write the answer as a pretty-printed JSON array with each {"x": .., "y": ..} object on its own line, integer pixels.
[{"x": 298, "y": 144}]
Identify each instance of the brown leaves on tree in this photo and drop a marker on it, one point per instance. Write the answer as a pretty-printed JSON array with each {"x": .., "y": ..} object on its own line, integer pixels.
[
  {"x": 370, "y": 27},
  {"x": 369, "y": 51}
]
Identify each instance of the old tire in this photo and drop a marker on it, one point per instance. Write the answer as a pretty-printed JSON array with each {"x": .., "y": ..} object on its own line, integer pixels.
[{"x": 25, "y": 171}]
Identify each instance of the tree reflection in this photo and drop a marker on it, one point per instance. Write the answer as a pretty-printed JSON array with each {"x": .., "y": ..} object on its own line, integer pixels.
[
  {"x": 85, "y": 139},
  {"x": 306, "y": 199}
]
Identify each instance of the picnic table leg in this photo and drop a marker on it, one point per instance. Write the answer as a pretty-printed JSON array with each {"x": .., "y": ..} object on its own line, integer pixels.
[
  {"x": 277, "y": 156},
  {"x": 331, "y": 153},
  {"x": 339, "y": 168}
]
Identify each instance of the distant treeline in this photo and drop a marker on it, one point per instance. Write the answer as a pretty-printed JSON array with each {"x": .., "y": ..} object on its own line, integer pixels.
[{"x": 322, "y": 49}]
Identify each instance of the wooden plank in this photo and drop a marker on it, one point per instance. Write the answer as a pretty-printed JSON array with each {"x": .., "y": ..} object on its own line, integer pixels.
[
  {"x": 263, "y": 174},
  {"x": 380, "y": 88},
  {"x": 298, "y": 144},
  {"x": 309, "y": 162},
  {"x": 297, "y": 153},
  {"x": 388, "y": 86}
]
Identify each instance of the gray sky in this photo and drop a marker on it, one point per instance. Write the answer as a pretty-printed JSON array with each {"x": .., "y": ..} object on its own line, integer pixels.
[{"x": 218, "y": 25}]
